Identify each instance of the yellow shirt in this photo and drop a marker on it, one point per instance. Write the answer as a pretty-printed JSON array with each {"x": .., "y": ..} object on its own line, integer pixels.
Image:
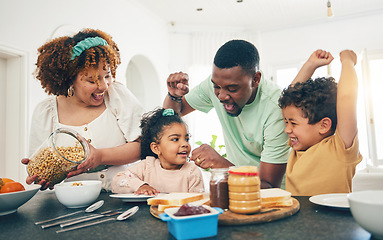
[{"x": 326, "y": 167}]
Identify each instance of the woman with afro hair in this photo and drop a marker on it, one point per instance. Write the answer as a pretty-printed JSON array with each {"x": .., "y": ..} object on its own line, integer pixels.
[{"x": 78, "y": 73}]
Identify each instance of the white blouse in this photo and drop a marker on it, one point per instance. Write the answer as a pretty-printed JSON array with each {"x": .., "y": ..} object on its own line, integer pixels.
[{"x": 117, "y": 125}]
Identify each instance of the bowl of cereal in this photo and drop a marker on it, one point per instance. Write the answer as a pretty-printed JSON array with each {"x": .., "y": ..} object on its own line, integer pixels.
[
  {"x": 61, "y": 153},
  {"x": 77, "y": 194}
]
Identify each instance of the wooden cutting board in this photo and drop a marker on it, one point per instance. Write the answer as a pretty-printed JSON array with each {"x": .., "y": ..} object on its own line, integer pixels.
[{"x": 266, "y": 215}]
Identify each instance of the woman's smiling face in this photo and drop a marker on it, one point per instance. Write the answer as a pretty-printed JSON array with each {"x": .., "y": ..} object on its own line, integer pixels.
[{"x": 90, "y": 86}]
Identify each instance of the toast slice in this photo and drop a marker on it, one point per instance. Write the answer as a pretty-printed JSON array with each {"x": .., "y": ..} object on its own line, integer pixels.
[
  {"x": 285, "y": 203},
  {"x": 275, "y": 197},
  {"x": 204, "y": 201},
  {"x": 176, "y": 199}
]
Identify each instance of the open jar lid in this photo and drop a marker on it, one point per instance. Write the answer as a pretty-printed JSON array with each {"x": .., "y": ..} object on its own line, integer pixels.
[
  {"x": 70, "y": 138},
  {"x": 244, "y": 170}
]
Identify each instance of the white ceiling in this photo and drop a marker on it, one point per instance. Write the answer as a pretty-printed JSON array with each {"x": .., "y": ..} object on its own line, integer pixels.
[{"x": 256, "y": 15}]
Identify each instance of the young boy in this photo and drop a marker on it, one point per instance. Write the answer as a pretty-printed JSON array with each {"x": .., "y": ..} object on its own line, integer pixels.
[{"x": 321, "y": 123}]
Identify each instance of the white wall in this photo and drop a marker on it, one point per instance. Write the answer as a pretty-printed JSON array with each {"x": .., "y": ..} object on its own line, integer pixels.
[
  {"x": 2, "y": 114},
  {"x": 296, "y": 44}
]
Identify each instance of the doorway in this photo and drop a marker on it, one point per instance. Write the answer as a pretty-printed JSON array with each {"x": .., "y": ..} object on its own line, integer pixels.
[
  {"x": 142, "y": 80},
  {"x": 13, "y": 112}
]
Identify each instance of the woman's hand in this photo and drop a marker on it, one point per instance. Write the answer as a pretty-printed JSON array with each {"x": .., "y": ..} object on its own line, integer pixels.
[
  {"x": 147, "y": 190},
  {"x": 33, "y": 179},
  {"x": 93, "y": 161}
]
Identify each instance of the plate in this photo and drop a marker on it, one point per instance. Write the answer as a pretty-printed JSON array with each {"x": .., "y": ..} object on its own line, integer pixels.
[
  {"x": 131, "y": 197},
  {"x": 10, "y": 202},
  {"x": 334, "y": 200}
]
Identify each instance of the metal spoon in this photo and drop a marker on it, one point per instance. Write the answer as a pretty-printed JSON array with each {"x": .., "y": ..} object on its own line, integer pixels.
[
  {"x": 123, "y": 216},
  {"x": 85, "y": 217},
  {"x": 89, "y": 209}
]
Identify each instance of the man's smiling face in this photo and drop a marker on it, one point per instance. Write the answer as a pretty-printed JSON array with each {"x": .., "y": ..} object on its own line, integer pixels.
[{"x": 234, "y": 88}]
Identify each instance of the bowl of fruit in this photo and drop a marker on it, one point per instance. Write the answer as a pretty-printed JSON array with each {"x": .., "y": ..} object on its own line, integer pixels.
[{"x": 14, "y": 194}]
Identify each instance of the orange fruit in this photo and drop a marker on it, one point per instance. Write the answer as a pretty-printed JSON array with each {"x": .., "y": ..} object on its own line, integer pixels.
[
  {"x": 12, "y": 187},
  {"x": 6, "y": 180}
]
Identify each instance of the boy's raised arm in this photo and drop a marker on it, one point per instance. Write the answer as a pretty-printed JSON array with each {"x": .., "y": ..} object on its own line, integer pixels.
[
  {"x": 347, "y": 98},
  {"x": 317, "y": 59}
]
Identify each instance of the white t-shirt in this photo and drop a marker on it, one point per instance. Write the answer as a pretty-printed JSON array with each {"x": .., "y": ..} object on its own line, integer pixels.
[{"x": 117, "y": 125}]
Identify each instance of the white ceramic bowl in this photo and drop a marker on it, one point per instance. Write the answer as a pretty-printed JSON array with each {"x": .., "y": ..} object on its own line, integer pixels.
[
  {"x": 10, "y": 202},
  {"x": 367, "y": 210},
  {"x": 73, "y": 196}
]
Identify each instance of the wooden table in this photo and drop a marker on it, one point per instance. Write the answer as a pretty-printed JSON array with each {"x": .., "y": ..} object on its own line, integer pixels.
[{"x": 311, "y": 222}]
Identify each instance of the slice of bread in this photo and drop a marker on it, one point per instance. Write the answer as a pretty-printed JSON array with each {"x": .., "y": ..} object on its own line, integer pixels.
[
  {"x": 285, "y": 203},
  {"x": 176, "y": 199},
  {"x": 274, "y": 195},
  {"x": 204, "y": 201}
]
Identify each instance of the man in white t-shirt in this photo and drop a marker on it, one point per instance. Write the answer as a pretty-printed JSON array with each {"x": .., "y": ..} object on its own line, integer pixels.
[{"x": 247, "y": 107}]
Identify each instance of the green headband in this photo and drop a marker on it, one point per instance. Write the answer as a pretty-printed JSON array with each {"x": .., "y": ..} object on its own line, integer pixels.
[
  {"x": 86, "y": 44},
  {"x": 168, "y": 112}
]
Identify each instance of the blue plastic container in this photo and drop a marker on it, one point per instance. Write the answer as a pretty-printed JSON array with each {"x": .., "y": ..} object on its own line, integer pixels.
[{"x": 194, "y": 226}]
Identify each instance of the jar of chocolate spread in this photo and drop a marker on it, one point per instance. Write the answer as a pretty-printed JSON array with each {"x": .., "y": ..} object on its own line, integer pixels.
[{"x": 219, "y": 196}]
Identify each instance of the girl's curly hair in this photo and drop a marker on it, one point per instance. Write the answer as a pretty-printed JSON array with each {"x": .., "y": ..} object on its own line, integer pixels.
[
  {"x": 152, "y": 126},
  {"x": 57, "y": 72},
  {"x": 316, "y": 98}
]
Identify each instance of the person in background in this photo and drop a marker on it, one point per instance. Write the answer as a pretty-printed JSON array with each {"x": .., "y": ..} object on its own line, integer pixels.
[
  {"x": 165, "y": 149},
  {"x": 321, "y": 123},
  {"x": 78, "y": 72},
  {"x": 247, "y": 107}
]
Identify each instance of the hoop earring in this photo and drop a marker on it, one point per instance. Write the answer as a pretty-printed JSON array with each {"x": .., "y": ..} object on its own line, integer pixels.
[{"x": 70, "y": 91}]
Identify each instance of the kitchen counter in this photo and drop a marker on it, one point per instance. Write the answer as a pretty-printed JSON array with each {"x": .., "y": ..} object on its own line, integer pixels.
[{"x": 311, "y": 222}]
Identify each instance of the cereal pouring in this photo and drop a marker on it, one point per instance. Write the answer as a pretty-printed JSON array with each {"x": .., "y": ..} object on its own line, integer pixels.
[{"x": 58, "y": 155}]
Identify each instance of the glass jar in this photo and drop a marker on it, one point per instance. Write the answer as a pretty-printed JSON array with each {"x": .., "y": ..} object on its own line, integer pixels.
[
  {"x": 244, "y": 190},
  {"x": 219, "y": 196},
  {"x": 61, "y": 153}
]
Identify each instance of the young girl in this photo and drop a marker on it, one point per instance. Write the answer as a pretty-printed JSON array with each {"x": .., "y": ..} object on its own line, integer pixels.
[{"x": 165, "y": 145}]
